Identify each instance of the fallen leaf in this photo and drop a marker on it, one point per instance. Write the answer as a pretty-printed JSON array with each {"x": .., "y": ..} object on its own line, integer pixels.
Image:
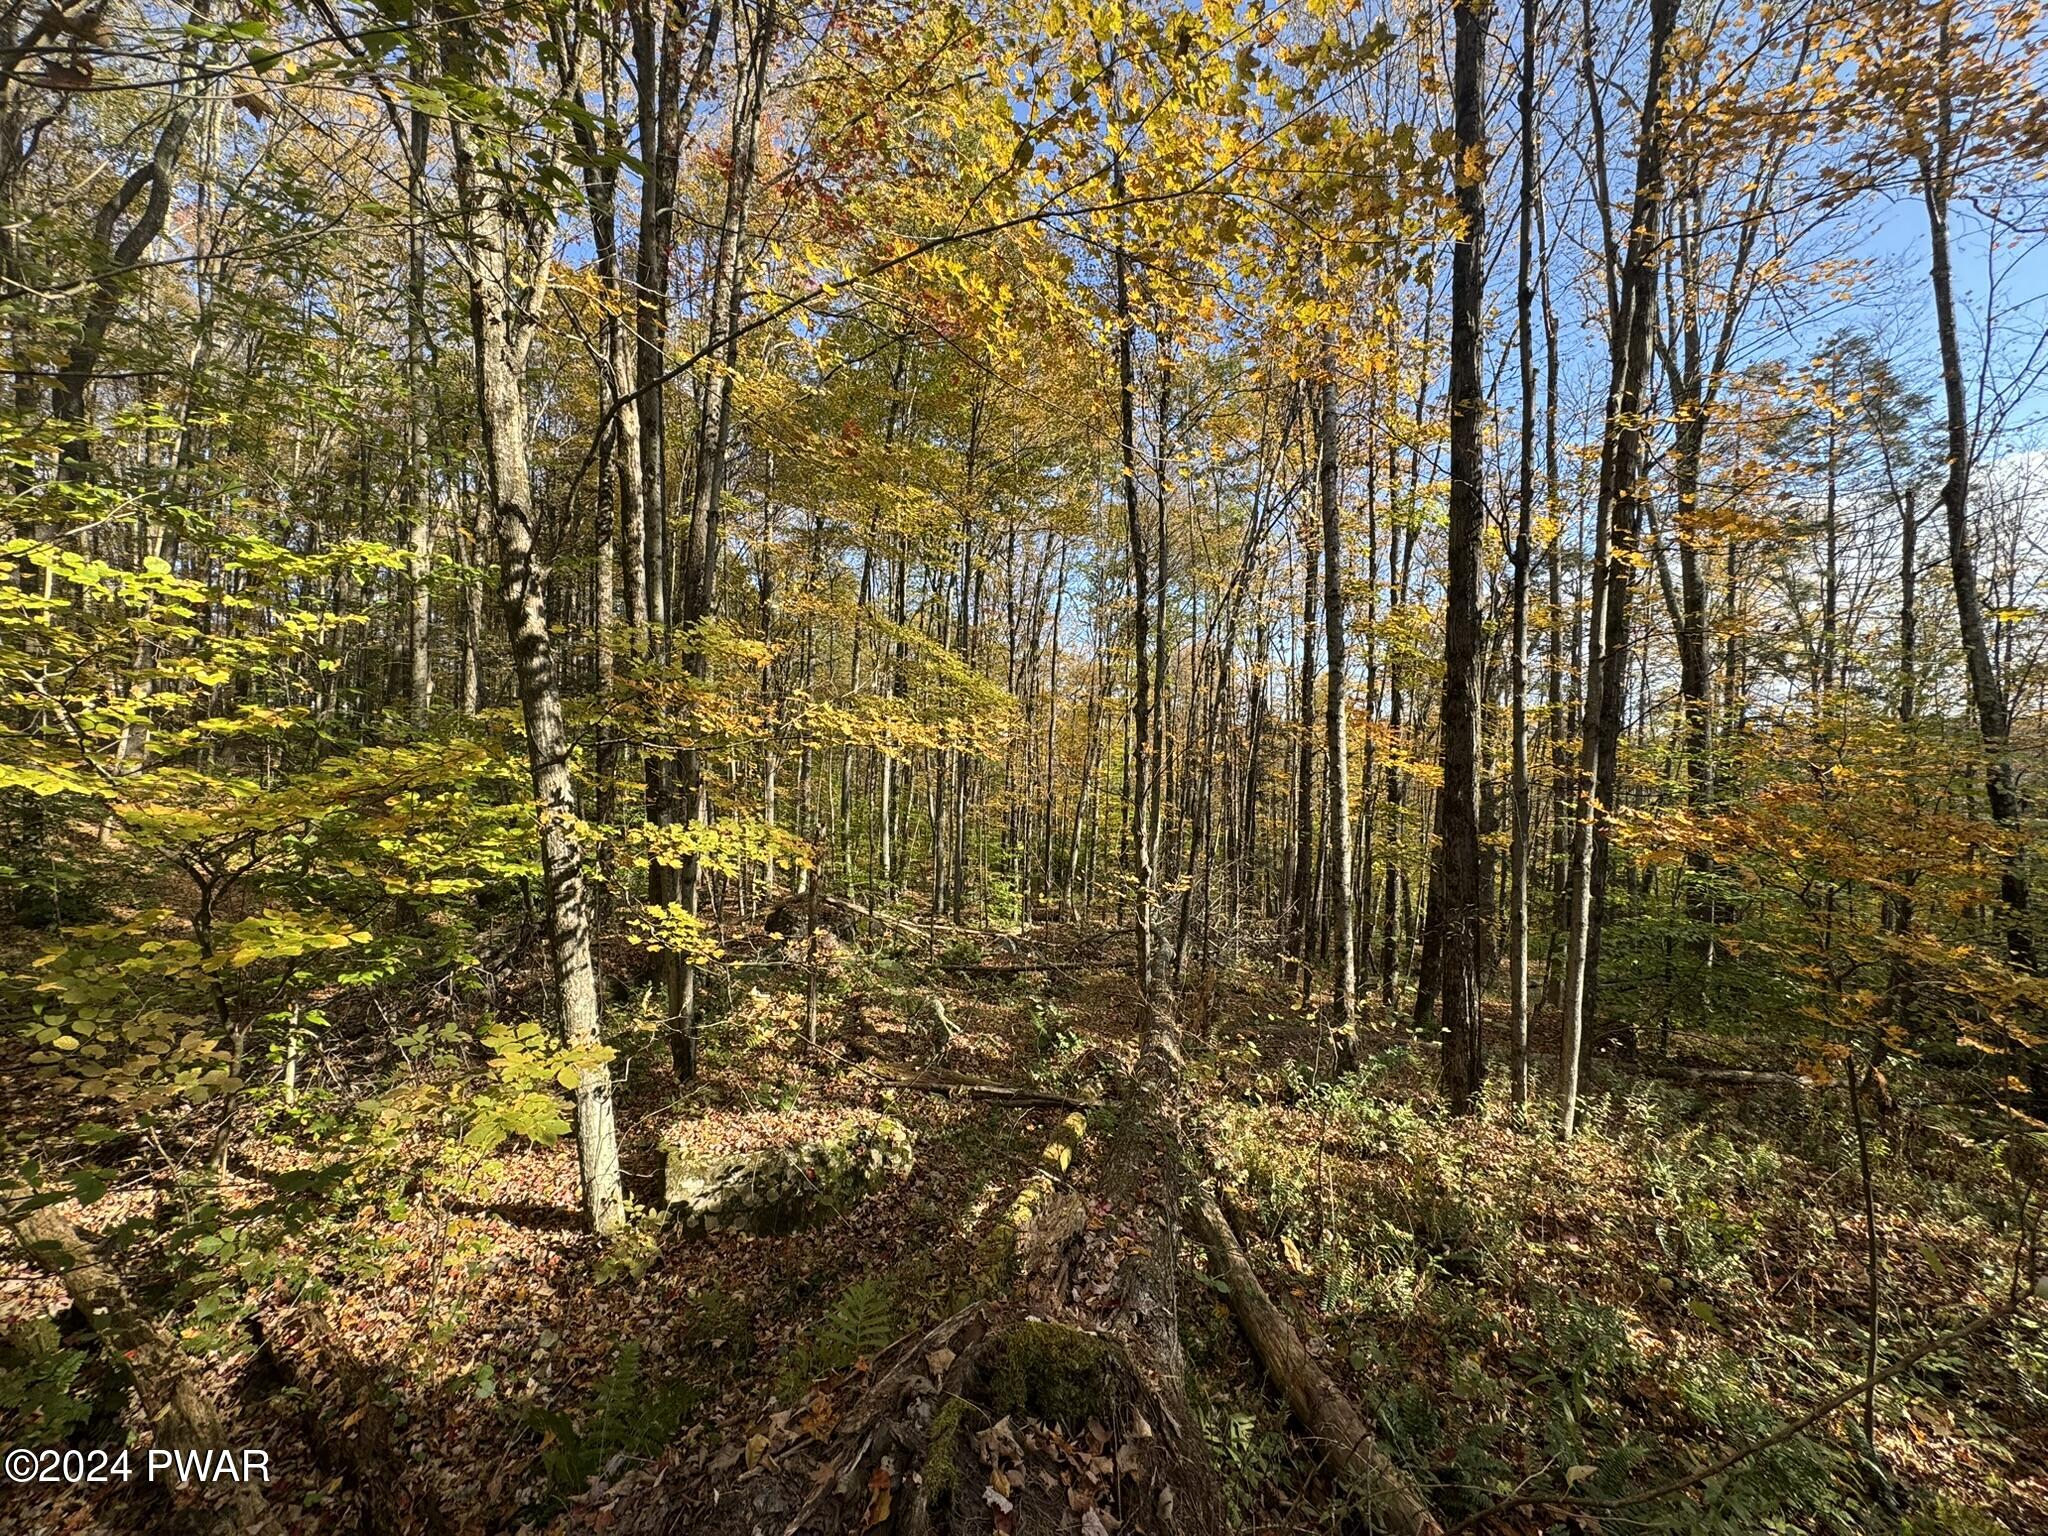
[
  {"x": 999, "y": 1440},
  {"x": 819, "y": 1421},
  {"x": 879, "y": 1486}
]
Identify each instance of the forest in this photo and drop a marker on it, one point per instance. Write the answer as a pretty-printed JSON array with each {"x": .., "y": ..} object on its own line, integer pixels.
[{"x": 775, "y": 767}]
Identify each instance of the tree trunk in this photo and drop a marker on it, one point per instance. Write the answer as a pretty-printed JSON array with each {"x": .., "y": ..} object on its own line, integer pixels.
[
  {"x": 697, "y": 585},
  {"x": 500, "y": 319},
  {"x": 1616, "y": 510},
  {"x": 1296, "y": 913},
  {"x": 1987, "y": 696},
  {"x": 420, "y": 532},
  {"x": 1518, "y": 645},
  {"x": 1460, "y": 906},
  {"x": 161, "y": 1372},
  {"x": 146, "y": 193},
  {"x": 1344, "y": 966},
  {"x": 1141, "y": 611}
]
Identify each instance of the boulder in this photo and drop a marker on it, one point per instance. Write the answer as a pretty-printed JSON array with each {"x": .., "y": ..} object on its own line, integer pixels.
[{"x": 774, "y": 1190}]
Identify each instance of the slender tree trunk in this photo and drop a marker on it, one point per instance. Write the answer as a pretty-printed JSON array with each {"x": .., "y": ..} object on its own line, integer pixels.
[
  {"x": 1987, "y": 696},
  {"x": 420, "y": 533},
  {"x": 1899, "y": 903},
  {"x": 1621, "y": 445},
  {"x": 501, "y": 318},
  {"x": 144, "y": 198},
  {"x": 697, "y": 584},
  {"x": 1518, "y": 645},
  {"x": 1460, "y": 908},
  {"x": 1141, "y": 609},
  {"x": 1297, "y": 910},
  {"x": 1694, "y": 666},
  {"x": 1344, "y": 966}
]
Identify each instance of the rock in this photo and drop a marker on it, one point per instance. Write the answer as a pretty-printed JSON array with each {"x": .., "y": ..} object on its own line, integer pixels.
[{"x": 785, "y": 1189}]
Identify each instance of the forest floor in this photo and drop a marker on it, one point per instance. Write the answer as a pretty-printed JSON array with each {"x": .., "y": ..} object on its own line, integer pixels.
[{"x": 1514, "y": 1313}]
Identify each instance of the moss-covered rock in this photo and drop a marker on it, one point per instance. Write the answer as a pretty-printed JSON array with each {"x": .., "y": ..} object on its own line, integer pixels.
[
  {"x": 1052, "y": 1372},
  {"x": 785, "y": 1189}
]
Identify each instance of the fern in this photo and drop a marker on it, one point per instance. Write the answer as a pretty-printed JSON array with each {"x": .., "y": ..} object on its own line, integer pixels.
[
  {"x": 626, "y": 1414},
  {"x": 1254, "y": 1457},
  {"x": 40, "y": 1395},
  {"x": 862, "y": 1321}
]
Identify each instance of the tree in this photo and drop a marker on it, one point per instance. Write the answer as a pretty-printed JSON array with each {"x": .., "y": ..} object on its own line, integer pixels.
[
  {"x": 1336, "y": 730},
  {"x": 1617, "y": 519},
  {"x": 1460, "y": 907},
  {"x": 1951, "y": 93},
  {"x": 506, "y": 238}
]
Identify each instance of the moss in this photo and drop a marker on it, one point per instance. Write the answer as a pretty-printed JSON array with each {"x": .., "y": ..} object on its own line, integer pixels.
[
  {"x": 943, "y": 1449},
  {"x": 1058, "y": 1154},
  {"x": 1052, "y": 1373}
]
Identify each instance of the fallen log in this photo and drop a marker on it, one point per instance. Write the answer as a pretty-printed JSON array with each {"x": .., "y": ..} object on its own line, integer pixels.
[
  {"x": 1323, "y": 1411},
  {"x": 1730, "y": 1077},
  {"x": 1148, "y": 1177},
  {"x": 908, "y": 1453},
  {"x": 1022, "y": 967},
  {"x": 1022, "y": 1234},
  {"x": 163, "y": 1375},
  {"x": 913, "y": 926},
  {"x": 905, "y": 1456},
  {"x": 975, "y": 1088}
]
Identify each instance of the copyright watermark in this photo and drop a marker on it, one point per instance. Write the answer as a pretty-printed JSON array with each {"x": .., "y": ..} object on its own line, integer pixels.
[{"x": 74, "y": 1467}]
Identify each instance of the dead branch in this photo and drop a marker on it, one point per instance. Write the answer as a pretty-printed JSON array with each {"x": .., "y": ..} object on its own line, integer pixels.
[{"x": 975, "y": 1088}]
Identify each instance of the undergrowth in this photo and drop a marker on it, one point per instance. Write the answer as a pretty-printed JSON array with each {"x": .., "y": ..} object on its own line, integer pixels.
[{"x": 1611, "y": 1314}]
